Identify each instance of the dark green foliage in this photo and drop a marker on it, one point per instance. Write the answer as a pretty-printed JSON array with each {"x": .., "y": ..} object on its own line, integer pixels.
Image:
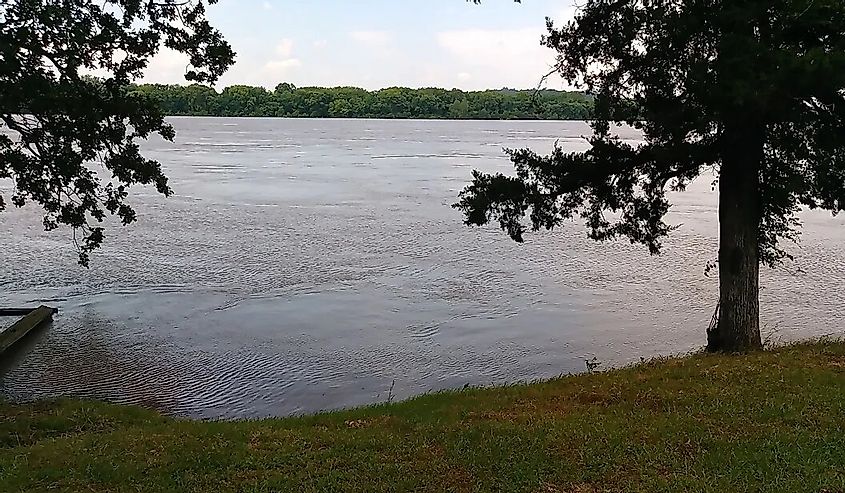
[
  {"x": 352, "y": 102},
  {"x": 754, "y": 84},
  {"x": 692, "y": 69},
  {"x": 67, "y": 140}
]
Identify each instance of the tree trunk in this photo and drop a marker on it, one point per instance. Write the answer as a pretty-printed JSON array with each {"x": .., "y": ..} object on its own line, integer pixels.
[{"x": 738, "y": 326}]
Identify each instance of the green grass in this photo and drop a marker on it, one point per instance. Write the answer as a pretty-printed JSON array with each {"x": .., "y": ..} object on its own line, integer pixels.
[{"x": 769, "y": 422}]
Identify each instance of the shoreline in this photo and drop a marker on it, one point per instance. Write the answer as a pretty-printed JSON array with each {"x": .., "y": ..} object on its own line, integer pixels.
[{"x": 769, "y": 421}]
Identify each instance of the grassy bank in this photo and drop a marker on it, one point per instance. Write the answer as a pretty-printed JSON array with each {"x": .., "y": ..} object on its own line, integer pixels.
[{"x": 767, "y": 422}]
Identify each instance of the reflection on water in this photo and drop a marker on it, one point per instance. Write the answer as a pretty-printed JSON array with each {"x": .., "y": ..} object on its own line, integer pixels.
[{"x": 307, "y": 264}]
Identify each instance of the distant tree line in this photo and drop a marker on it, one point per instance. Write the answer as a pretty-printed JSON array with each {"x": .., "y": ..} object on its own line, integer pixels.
[{"x": 351, "y": 102}]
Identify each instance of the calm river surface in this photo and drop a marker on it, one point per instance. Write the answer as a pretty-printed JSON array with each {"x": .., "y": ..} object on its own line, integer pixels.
[{"x": 307, "y": 264}]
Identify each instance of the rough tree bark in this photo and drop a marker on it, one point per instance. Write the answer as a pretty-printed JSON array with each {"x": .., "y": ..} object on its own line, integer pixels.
[{"x": 738, "y": 327}]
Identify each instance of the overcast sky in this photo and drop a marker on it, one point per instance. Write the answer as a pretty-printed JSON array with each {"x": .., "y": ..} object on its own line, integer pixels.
[{"x": 381, "y": 43}]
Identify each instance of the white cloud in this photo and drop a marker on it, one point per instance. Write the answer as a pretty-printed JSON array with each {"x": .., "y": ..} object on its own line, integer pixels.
[
  {"x": 463, "y": 57},
  {"x": 284, "y": 48},
  {"x": 565, "y": 15},
  {"x": 491, "y": 58},
  {"x": 493, "y": 47},
  {"x": 167, "y": 67},
  {"x": 283, "y": 65},
  {"x": 513, "y": 57},
  {"x": 276, "y": 71},
  {"x": 378, "y": 44},
  {"x": 378, "y": 38}
]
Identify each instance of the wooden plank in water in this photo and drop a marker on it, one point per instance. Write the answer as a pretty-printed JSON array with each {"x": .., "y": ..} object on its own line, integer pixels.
[
  {"x": 22, "y": 327},
  {"x": 15, "y": 312}
]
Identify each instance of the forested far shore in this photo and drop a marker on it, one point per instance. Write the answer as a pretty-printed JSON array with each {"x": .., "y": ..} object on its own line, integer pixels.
[{"x": 287, "y": 100}]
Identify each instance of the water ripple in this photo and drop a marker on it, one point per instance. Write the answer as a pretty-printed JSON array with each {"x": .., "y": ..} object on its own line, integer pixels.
[{"x": 303, "y": 267}]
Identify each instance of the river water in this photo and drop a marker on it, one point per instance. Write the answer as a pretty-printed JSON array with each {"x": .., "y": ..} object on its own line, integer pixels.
[{"x": 305, "y": 265}]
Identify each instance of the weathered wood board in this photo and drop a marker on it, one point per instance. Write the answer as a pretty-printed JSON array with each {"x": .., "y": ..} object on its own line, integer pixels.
[
  {"x": 22, "y": 327},
  {"x": 15, "y": 312}
]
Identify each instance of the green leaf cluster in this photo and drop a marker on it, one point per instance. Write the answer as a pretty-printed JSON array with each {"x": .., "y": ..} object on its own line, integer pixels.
[
  {"x": 352, "y": 102},
  {"x": 68, "y": 141},
  {"x": 757, "y": 86}
]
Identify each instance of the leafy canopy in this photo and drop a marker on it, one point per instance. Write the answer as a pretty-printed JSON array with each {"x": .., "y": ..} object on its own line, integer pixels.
[
  {"x": 67, "y": 139},
  {"x": 686, "y": 73},
  {"x": 352, "y": 102}
]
